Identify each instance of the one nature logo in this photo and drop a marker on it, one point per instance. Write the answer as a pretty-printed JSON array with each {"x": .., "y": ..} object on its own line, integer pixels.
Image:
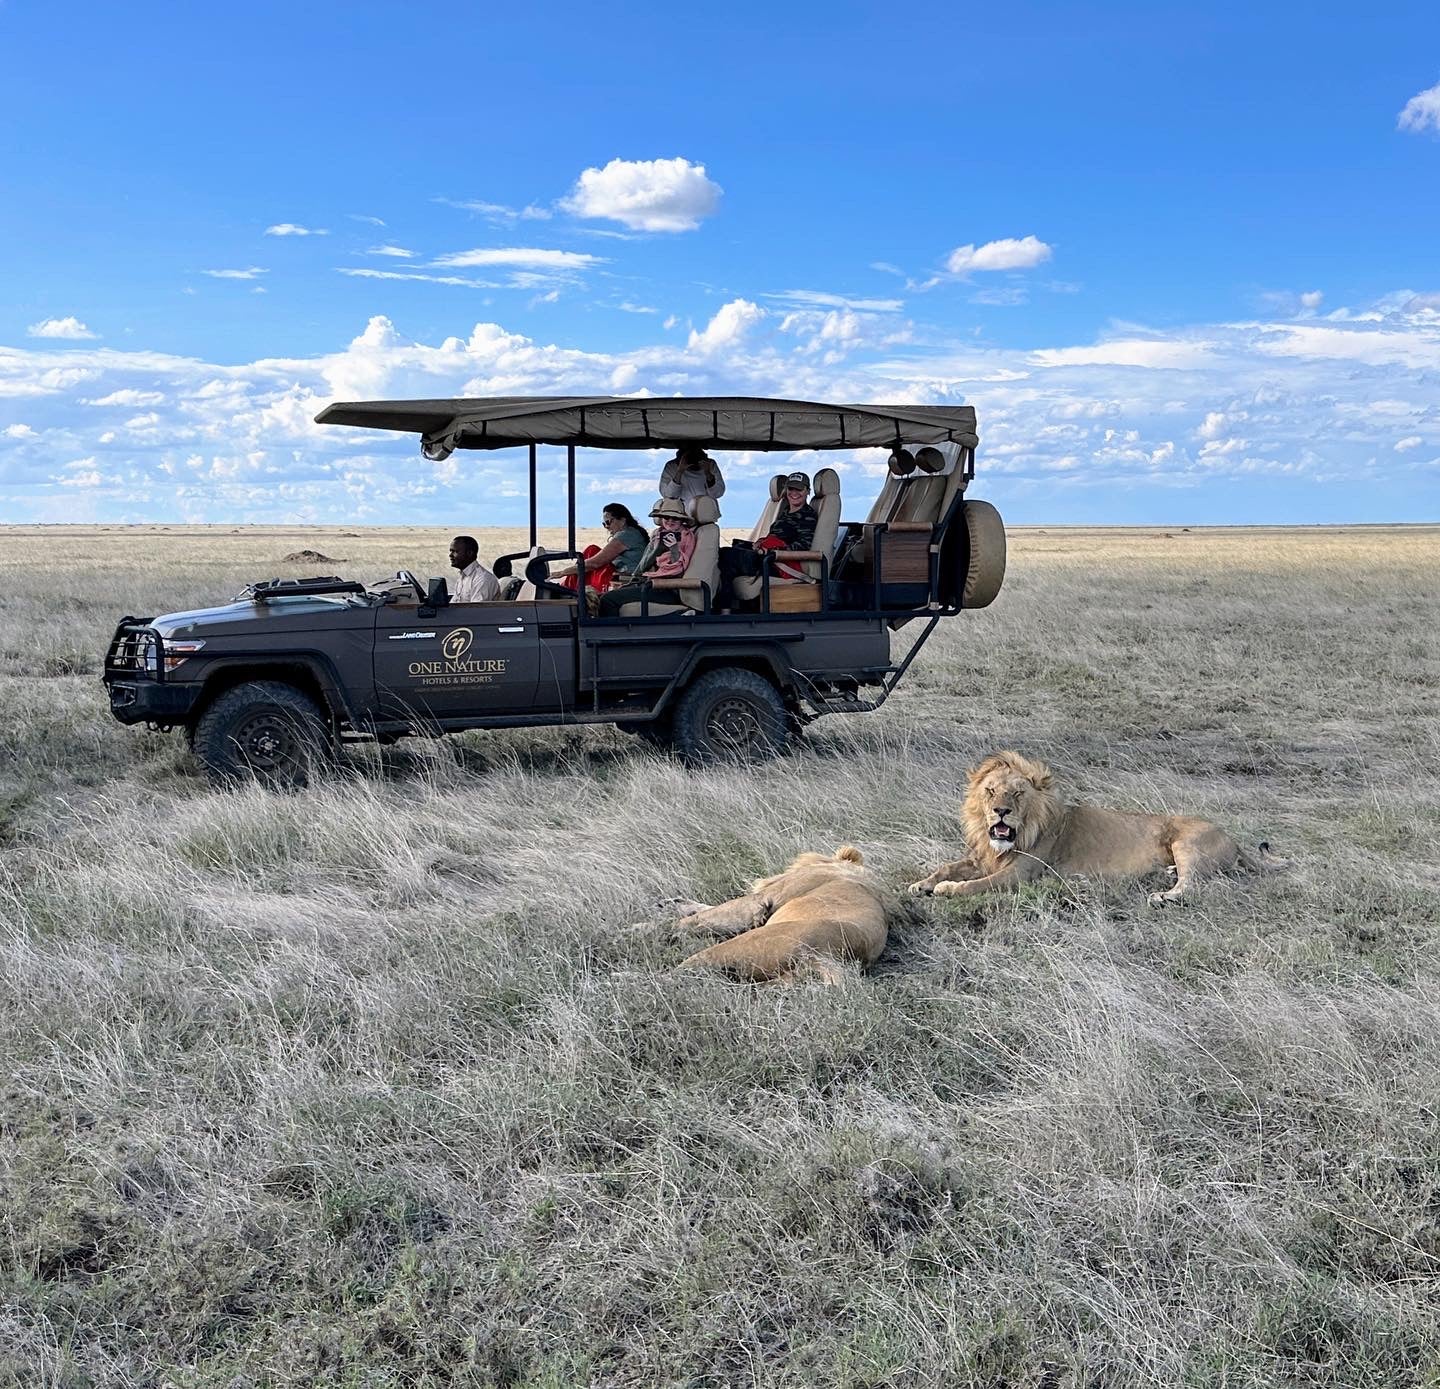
[
  {"x": 457, "y": 643},
  {"x": 458, "y": 667}
]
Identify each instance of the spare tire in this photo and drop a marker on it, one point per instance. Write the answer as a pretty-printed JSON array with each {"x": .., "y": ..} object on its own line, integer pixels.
[{"x": 986, "y": 569}]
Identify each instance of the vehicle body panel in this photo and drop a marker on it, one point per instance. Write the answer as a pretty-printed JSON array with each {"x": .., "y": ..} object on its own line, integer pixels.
[{"x": 444, "y": 663}]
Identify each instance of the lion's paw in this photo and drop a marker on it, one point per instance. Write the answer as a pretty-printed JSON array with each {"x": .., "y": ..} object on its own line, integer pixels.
[
  {"x": 920, "y": 889},
  {"x": 949, "y": 889},
  {"x": 1158, "y": 899},
  {"x": 679, "y": 906}
]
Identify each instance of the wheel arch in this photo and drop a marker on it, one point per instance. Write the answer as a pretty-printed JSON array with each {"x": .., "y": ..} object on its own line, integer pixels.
[
  {"x": 766, "y": 659},
  {"x": 311, "y": 674}
]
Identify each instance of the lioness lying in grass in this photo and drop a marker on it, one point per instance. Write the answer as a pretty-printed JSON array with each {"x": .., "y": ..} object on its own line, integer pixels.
[
  {"x": 823, "y": 911},
  {"x": 1018, "y": 830}
]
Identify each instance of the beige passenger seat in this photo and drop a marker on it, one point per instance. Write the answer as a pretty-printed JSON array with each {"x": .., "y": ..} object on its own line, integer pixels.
[
  {"x": 900, "y": 528},
  {"x": 683, "y": 595},
  {"x": 770, "y": 510}
]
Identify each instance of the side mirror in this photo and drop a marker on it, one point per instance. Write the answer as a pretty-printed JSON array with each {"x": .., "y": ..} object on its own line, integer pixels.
[{"x": 437, "y": 594}]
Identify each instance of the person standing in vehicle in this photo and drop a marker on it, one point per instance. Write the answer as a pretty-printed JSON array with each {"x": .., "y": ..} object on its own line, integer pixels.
[
  {"x": 476, "y": 584},
  {"x": 691, "y": 473}
]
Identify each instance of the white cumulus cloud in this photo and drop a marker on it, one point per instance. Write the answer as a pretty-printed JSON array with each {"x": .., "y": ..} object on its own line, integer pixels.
[
  {"x": 657, "y": 195},
  {"x": 1422, "y": 112},
  {"x": 23, "y": 431},
  {"x": 60, "y": 328},
  {"x": 252, "y": 272},
  {"x": 294, "y": 229},
  {"x": 397, "y": 252},
  {"x": 1130, "y": 422},
  {"x": 1009, "y": 253},
  {"x": 731, "y": 323}
]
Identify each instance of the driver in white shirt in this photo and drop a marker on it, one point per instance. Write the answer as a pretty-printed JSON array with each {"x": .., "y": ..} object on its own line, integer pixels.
[{"x": 476, "y": 584}]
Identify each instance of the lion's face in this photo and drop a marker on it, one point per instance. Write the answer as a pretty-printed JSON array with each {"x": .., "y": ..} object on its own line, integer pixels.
[{"x": 1008, "y": 803}]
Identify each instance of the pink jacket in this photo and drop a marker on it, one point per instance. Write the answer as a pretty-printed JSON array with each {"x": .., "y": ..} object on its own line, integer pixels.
[{"x": 671, "y": 563}]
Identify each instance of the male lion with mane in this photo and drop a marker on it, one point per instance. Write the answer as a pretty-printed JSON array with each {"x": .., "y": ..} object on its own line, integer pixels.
[
  {"x": 823, "y": 911},
  {"x": 1018, "y": 830}
]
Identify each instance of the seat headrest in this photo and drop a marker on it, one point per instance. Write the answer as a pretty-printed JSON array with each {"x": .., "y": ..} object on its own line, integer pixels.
[
  {"x": 777, "y": 486},
  {"x": 705, "y": 510},
  {"x": 937, "y": 460},
  {"x": 827, "y": 483},
  {"x": 902, "y": 462},
  {"x": 537, "y": 569}
]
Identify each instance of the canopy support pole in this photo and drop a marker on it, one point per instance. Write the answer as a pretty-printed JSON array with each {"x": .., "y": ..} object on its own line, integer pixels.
[
  {"x": 534, "y": 534},
  {"x": 570, "y": 492}
]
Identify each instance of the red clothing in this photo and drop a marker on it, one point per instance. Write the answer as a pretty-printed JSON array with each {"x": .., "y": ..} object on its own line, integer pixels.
[
  {"x": 780, "y": 570},
  {"x": 599, "y": 579}
]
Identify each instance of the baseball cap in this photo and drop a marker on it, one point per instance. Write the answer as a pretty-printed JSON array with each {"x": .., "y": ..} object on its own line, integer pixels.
[{"x": 798, "y": 479}]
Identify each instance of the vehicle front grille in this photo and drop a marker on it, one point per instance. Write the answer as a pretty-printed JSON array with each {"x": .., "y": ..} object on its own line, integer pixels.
[{"x": 128, "y": 648}]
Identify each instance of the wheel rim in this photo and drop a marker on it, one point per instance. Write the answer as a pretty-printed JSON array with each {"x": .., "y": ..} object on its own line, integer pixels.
[
  {"x": 734, "y": 723},
  {"x": 266, "y": 741}
]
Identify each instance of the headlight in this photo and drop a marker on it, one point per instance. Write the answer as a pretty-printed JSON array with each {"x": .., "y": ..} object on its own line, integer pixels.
[{"x": 175, "y": 653}]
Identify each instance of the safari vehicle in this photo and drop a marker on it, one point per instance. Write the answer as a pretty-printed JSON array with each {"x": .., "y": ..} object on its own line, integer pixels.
[{"x": 271, "y": 683}]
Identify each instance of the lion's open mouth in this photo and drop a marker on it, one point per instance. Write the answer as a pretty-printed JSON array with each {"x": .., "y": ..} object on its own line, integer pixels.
[{"x": 1002, "y": 836}]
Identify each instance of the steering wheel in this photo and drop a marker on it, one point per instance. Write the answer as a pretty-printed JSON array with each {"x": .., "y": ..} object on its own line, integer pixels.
[{"x": 405, "y": 576}]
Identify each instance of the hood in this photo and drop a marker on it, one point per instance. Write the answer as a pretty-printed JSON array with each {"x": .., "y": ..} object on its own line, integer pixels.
[{"x": 302, "y": 611}]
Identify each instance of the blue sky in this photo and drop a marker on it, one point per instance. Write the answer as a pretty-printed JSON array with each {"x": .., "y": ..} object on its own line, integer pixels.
[{"x": 1182, "y": 261}]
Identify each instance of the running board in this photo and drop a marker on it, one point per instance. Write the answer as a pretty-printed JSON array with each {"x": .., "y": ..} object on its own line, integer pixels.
[{"x": 844, "y": 706}]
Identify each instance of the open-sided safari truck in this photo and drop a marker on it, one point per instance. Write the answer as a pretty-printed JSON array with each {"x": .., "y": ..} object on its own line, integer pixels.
[{"x": 269, "y": 684}]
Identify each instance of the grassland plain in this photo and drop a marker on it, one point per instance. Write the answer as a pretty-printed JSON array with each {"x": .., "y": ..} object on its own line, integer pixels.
[{"x": 372, "y": 1084}]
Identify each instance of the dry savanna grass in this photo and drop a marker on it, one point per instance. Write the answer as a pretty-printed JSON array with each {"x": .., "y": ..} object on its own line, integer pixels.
[{"x": 372, "y": 1084}]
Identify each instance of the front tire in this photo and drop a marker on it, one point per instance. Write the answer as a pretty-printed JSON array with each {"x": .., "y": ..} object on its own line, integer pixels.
[
  {"x": 263, "y": 731},
  {"x": 730, "y": 715}
]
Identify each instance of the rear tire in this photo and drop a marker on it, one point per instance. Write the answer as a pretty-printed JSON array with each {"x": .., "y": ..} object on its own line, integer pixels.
[
  {"x": 986, "y": 571},
  {"x": 263, "y": 731},
  {"x": 730, "y": 715}
]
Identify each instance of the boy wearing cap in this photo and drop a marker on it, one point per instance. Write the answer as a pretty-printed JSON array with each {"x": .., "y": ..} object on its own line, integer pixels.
[{"x": 792, "y": 529}]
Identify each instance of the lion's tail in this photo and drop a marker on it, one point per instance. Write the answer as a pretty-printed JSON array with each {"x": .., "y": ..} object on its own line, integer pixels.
[
  {"x": 1262, "y": 860},
  {"x": 848, "y": 853}
]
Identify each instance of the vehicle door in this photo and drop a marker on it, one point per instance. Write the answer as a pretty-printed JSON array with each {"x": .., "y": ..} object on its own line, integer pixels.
[{"x": 467, "y": 660}]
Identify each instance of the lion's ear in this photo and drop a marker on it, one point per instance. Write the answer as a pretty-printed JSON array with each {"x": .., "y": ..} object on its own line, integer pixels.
[{"x": 848, "y": 853}]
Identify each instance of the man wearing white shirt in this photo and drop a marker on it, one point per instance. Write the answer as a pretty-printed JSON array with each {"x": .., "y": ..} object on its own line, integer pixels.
[{"x": 476, "y": 584}]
